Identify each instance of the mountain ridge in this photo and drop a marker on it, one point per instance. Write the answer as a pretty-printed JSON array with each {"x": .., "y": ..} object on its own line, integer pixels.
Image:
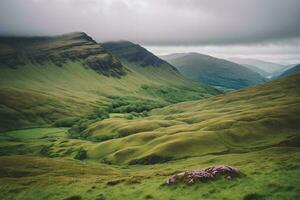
[
  {"x": 215, "y": 71},
  {"x": 269, "y": 67},
  {"x": 59, "y": 49},
  {"x": 291, "y": 71},
  {"x": 72, "y": 71}
]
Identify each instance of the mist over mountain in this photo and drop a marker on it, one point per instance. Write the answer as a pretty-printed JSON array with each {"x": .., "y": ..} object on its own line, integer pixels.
[
  {"x": 270, "y": 68},
  {"x": 291, "y": 71}
]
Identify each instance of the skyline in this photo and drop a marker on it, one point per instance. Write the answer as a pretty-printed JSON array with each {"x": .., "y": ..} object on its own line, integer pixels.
[{"x": 262, "y": 29}]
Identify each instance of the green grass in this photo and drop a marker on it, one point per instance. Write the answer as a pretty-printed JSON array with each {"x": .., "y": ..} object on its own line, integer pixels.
[
  {"x": 36, "y": 95},
  {"x": 255, "y": 130},
  {"x": 43, "y": 80},
  {"x": 111, "y": 132},
  {"x": 270, "y": 174},
  {"x": 243, "y": 121}
]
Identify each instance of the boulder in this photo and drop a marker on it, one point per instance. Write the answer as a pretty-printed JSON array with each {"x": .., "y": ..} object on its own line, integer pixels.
[{"x": 210, "y": 173}]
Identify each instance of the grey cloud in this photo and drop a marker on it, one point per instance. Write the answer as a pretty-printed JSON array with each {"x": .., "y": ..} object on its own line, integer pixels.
[{"x": 153, "y": 22}]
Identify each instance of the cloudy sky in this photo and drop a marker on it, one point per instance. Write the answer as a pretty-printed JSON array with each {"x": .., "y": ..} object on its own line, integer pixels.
[{"x": 264, "y": 29}]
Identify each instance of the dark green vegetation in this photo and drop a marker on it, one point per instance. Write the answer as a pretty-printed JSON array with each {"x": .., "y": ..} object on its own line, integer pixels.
[
  {"x": 293, "y": 70},
  {"x": 255, "y": 130},
  {"x": 55, "y": 80},
  {"x": 213, "y": 71}
]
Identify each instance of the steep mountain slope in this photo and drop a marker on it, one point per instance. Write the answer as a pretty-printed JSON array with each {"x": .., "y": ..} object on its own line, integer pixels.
[
  {"x": 43, "y": 79},
  {"x": 293, "y": 70},
  {"x": 134, "y": 53},
  {"x": 16, "y": 51},
  {"x": 214, "y": 71},
  {"x": 269, "y": 67}
]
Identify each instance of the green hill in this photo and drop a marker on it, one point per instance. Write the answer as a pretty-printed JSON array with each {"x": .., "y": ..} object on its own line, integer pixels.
[
  {"x": 243, "y": 121},
  {"x": 45, "y": 79},
  {"x": 214, "y": 71},
  {"x": 255, "y": 130}
]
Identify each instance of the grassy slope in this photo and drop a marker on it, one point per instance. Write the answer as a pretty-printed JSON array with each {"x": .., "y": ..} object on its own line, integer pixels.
[
  {"x": 215, "y": 72},
  {"x": 217, "y": 125},
  {"x": 256, "y": 130},
  {"x": 72, "y": 77}
]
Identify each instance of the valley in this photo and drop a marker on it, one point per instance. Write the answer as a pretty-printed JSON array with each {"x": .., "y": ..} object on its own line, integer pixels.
[{"x": 83, "y": 120}]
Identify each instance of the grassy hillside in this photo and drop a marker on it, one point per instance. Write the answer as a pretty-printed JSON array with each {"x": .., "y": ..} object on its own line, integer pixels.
[
  {"x": 216, "y": 126},
  {"x": 255, "y": 129},
  {"x": 214, "y": 71},
  {"x": 43, "y": 79}
]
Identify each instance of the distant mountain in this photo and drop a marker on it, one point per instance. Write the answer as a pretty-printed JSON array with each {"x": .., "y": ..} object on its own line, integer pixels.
[
  {"x": 268, "y": 67},
  {"x": 45, "y": 79},
  {"x": 214, "y": 71},
  {"x": 293, "y": 70},
  {"x": 258, "y": 70}
]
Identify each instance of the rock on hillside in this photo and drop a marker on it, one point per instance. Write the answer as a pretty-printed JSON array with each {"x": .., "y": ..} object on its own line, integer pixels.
[{"x": 17, "y": 51}]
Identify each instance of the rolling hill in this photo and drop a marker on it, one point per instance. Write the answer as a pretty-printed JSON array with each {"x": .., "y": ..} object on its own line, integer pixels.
[
  {"x": 214, "y": 71},
  {"x": 44, "y": 79},
  {"x": 255, "y": 130},
  {"x": 214, "y": 126},
  {"x": 103, "y": 121}
]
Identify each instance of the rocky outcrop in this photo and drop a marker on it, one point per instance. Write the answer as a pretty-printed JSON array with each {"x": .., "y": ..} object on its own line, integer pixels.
[
  {"x": 210, "y": 173},
  {"x": 135, "y": 53},
  {"x": 16, "y": 51}
]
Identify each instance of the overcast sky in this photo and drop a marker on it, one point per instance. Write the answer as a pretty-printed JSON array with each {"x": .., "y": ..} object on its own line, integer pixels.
[{"x": 265, "y": 29}]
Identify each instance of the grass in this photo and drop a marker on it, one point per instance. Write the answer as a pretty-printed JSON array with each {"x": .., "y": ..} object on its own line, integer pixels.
[
  {"x": 130, "y": 136},
  {"x": 71, "y": 76},
  {"x": 266, "y": 176},
  {"x": 213, "y": 126},
  {"x": 255, "y": 130},
  {"x": 65, "y": 89}
]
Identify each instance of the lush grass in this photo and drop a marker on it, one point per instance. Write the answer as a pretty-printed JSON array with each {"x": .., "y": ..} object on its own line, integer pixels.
[
  {"x": 243, "y": 121},
  {"x": 268, "y": 174},
  {"x": 35, "y": 95},
  {"x": 256, "y": 130},
  {"x": 44, "y": 79},
  {"x": 112, "y": 130}
]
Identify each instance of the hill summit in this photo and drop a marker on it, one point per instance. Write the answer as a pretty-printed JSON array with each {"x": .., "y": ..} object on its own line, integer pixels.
[{"x": 16, "y": 51}]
